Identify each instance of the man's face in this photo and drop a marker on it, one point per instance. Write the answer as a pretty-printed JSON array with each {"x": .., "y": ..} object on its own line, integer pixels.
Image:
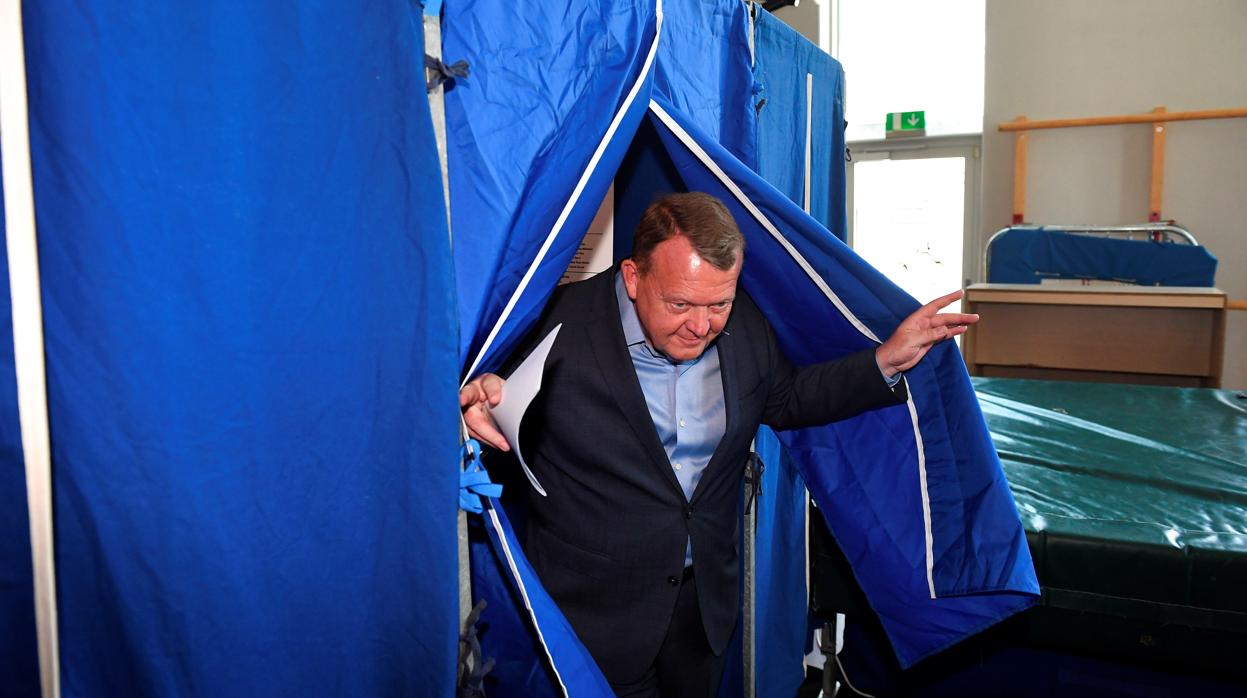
[{"x": 682, "y": 300}]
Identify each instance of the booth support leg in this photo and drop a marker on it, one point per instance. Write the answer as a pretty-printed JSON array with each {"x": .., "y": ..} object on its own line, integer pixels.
[
  {"x": 750, "y": 594},
  {"x": 831, "y": 665},
  {"x": 753, "y": 492}
]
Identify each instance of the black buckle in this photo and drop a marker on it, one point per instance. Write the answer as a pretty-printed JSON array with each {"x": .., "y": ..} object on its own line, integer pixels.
[{"x": 753, "y": 477}]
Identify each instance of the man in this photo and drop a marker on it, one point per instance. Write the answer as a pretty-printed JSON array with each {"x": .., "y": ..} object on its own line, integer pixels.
[{"x": 658, "y": 380}]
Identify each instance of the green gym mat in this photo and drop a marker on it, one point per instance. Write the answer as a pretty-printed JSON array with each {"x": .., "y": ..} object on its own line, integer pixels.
[{"x": 1134, "y": 497}]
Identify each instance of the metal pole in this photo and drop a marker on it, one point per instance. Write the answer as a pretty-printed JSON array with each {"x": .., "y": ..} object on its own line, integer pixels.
[
  {"x": 437, "y": 109},
  {"x": 753, "y": 486},
  {"x": 28, "y": 348},
  {"x": 437, "y": 102}
]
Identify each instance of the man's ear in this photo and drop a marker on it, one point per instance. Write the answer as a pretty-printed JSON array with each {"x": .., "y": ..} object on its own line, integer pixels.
[{"x": 630, "y": 272}]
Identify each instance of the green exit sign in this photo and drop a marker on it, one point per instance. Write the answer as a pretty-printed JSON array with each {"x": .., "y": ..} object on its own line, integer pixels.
[{"x": 903, "y": 124}]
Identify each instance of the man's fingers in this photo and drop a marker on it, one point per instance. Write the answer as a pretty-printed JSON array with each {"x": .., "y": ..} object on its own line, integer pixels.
[
  {"x": 476, "y": 398},
  {"x": 492, "y": 385},
  {"x": 942, "y": 302},
  {"x": 954, "y": 319},
  {"x": 470, "y": 394},
  {"x": 484, "y": 388},
  {"x": 491, "y": 437},
  {"x": 939, "y": 334},
  {"x": 482, "y": 427},
  {"x": 924, "y": 329}
]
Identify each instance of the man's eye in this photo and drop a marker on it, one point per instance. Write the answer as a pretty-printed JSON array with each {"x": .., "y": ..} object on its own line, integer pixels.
[
  {"x": 724, "y": 305},
  {"x": 679, "y": 306}
]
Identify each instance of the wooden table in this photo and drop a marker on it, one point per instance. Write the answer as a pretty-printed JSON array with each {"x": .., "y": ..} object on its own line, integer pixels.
[{"x": 1109, "y": 334}]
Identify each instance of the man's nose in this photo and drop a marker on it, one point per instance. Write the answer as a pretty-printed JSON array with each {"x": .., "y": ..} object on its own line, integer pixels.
[{"x": 699, "y": 321}]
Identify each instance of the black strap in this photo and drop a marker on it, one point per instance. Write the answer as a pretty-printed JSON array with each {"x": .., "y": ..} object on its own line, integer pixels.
[
  {"x": 442, "y": 73},
  {"x": 472, "y": 671}
]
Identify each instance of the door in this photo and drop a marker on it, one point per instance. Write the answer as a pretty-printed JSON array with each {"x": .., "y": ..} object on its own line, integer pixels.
[{"x": 911, "y": 211}]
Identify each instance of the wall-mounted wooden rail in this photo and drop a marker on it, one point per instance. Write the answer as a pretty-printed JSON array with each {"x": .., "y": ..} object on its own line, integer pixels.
[
  {"x": 1158, "y": 117},
  {"x": 1022, "y": 124}
]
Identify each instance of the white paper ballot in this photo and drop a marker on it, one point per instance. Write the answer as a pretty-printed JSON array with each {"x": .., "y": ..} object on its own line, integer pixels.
[{"x": 518, "y": 394}]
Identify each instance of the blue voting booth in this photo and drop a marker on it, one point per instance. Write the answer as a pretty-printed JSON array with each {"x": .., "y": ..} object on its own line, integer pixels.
[
  {"x": 249, "y": 322},
  {"x": 256, "y": 322}
]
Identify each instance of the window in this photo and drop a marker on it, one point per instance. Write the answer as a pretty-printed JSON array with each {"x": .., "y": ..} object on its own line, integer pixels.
[{"x": 908, "y": 217}]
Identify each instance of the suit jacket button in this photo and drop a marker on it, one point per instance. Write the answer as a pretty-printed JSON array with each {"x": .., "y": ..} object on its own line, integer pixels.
[
  {"x": 688, "y": 513},
  {"x": 673, "y": 581}
]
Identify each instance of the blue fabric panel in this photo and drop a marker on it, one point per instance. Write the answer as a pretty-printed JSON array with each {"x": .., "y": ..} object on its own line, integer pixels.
[
  {"x": 704, "y": 70},
  {"x": 782, "y": 599},
  {"x": 646, "y": 173},
  {"x": 19, "y": 654},
  {"x": 522, "y": 129},
  {"x": 250, "y": 322},
  {"x": 864, "y": 471},
  {"x": 507, "y": 636},
  {"x": 529, "y": 307},
  {"x": 783, "y": 59},
  {"x": 1027, "y": 256},
  {"x": 506, "y": 633}
]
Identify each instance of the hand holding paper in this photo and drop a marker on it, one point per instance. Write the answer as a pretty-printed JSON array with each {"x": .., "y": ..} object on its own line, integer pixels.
[
  {"x": 500, "y": 426},
  {"x": 475, "y": 399}
]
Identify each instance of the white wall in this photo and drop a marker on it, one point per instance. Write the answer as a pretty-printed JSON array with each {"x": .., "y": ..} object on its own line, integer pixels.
[
  {"x": 1073, "y": 58},
  {"x": 806, "y": 18}
]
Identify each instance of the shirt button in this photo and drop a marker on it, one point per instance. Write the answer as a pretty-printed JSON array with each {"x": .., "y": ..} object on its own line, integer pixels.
[
  {"x": 673, "y": 581},
  {"x": 678, "y": 466},
  {"x": 681, "y": 423}
]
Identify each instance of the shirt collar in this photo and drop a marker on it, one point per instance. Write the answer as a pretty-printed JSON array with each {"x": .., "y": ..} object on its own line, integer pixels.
[{"x": 633, "y": 334}]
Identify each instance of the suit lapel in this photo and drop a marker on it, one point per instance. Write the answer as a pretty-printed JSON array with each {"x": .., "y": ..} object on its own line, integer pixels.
[{"x": 607, "y": 339}]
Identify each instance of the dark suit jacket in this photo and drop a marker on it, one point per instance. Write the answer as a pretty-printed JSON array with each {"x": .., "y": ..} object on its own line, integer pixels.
[{"x": 608, "y": 542}]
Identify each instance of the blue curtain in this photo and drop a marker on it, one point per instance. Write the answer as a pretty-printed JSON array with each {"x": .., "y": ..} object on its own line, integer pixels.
[
  {"x": 783, "y": 60},
  {"x": 250, "y": 323},
  {"x": 782, "y": 600},
  {"x": 930, "y": 527},
  {"x": 704, "y": 72},
  {"x": 535, "y": 134},
  {"x": 703, "y": 69}
]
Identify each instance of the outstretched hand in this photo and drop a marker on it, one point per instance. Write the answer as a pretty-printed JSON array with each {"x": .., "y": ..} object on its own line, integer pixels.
[
  {"x": 475, "y": 399},
  {"x": 922, "y": 330}
]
